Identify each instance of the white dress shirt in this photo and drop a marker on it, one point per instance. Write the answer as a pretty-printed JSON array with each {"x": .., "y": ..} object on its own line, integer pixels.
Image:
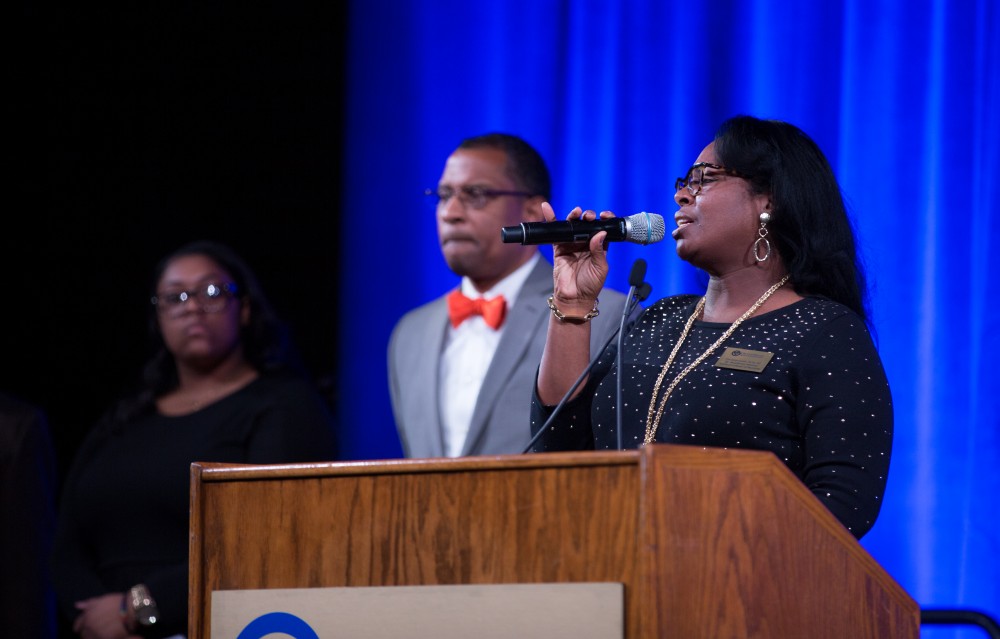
[{"x": 468, "y": 351}]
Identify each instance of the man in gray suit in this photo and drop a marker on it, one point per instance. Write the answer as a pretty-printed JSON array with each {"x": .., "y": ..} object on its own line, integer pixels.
[{"x": 462, "y": 367}]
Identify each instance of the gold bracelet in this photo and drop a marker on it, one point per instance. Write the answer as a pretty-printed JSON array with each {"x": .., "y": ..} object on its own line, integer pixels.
[{"x": 572, "y": 319}]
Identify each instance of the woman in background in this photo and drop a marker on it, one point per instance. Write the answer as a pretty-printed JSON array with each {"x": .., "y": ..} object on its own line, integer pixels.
[{"x": 223, "y": 385}]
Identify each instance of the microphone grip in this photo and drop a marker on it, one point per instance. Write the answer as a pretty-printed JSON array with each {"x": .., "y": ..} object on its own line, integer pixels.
[{"x": 564, "y": 231}]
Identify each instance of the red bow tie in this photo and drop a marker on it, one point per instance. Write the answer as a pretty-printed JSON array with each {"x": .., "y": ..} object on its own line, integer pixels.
[{"x": 461, "y": 308}]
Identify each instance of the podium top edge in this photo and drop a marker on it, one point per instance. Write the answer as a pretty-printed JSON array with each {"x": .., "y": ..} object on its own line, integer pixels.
[
  {"x": 677, "y": 454},
  {"x": 214, "y": 471}
]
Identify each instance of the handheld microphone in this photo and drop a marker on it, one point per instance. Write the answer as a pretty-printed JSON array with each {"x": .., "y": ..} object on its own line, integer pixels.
[{"x": 641, "y": 228}]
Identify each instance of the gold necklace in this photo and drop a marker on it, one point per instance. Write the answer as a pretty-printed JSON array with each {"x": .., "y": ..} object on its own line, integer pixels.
[{"x": 653, "y": 419}]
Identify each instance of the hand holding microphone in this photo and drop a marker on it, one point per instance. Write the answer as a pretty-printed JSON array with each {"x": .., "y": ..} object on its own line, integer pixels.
[
  {"x": 579, "y": 268},
  {"x": 580, "y": 272}
]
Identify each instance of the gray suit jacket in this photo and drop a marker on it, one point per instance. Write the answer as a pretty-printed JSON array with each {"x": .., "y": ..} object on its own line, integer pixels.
[{"x": 500, "y": 420}]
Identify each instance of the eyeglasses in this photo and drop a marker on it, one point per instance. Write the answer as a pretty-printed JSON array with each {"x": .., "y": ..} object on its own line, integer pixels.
[
  {"x": 212, "y": 298},
  {"x": 696, "y": 177},
  {"x": 473, "y": 197}
]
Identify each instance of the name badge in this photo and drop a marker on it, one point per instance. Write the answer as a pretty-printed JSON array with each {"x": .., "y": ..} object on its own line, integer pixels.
[{"x": 743, "y": 359}]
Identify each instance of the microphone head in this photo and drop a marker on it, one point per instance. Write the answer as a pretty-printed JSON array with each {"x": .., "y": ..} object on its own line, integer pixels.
[
  {"x": 645, "y": 228},
  {"x": 638, "y": 273},
  {"x": 643, "y": 291}
]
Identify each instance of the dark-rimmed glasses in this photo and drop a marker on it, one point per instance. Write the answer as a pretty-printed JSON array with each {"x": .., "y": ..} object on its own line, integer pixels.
[
  {"x": 473, "y": 197},
  {"x": 696, "y": 177},
  {"x": 212, "y": 297}
]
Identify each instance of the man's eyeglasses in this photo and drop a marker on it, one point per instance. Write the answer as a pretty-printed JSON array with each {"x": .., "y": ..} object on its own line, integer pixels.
[
  {"x": 696, "y": 177},
  {"x": 212, "y": 298},
  {"x": 472, "y": 197}
]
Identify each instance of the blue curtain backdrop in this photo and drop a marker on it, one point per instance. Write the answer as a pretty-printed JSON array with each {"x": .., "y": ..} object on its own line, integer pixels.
[{"x": 904, "y": 97}]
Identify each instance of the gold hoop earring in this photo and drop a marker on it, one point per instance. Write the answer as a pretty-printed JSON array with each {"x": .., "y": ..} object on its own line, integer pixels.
[{"x": 765, "y": 217}]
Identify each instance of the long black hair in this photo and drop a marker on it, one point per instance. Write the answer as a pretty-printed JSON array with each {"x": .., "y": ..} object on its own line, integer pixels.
[
  {"x": 809, "y": 221},
  {"x": 265, "y": 338}
]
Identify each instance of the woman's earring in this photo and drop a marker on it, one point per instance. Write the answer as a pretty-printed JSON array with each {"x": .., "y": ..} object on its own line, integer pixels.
[{"x": 765, "y": 217}]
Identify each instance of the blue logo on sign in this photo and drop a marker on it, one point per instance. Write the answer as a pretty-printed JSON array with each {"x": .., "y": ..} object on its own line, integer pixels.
[{"x": 278, "y": 622}]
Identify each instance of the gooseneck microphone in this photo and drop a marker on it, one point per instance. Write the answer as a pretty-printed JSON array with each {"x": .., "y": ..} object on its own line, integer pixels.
[
  {"x": 636, "y": 280},
  {"x": 641, "y": 228}
]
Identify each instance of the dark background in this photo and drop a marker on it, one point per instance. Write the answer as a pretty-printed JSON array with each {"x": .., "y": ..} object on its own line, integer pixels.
[{"x": 137, "y": 129}]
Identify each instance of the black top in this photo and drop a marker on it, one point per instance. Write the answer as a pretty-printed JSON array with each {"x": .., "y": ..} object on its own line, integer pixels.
[
  {"x": 27, "y": 520},
  {"x": 822, "y": 404},
  {"x": 124, "y": 511}
]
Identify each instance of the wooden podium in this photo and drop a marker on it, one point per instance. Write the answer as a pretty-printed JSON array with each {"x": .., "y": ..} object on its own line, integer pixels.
[{"x": 707, "y": 542}]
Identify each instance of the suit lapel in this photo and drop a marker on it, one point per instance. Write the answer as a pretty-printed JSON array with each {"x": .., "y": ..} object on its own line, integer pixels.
[
  {"x": 523, "y": 323},
  {"x": 426, "y": 369}
]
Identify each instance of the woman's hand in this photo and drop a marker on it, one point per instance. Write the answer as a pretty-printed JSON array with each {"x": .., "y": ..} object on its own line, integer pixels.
[
  {"x": 101, "y": 618},
  {"x": 578, "y": 274},
  {"x": 579, "y": 269}
]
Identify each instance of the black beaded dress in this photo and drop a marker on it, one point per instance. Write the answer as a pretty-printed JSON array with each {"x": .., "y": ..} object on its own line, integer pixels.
[{"x": 822, "y": 403}]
